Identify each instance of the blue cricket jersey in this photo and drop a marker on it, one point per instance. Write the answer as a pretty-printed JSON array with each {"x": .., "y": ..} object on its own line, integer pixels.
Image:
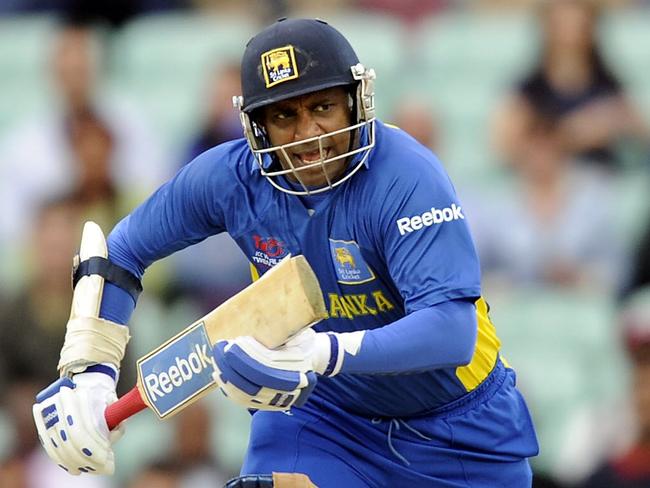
[{"x": 390, "y": 241}]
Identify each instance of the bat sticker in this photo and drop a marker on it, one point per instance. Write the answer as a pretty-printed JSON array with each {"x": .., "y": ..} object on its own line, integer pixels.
[{"x": 178, "y": 371}]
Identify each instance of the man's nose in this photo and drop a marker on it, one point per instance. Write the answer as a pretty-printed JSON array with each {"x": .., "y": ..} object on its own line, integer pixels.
[{"x": 306, "y": 126}]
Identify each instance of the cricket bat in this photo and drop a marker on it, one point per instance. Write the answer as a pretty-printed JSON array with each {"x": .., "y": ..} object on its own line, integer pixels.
[{"x": 285, "y": 300}]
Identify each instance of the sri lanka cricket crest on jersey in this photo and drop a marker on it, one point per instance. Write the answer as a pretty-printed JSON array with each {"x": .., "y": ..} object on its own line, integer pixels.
[{"x": 350, "y": 267}]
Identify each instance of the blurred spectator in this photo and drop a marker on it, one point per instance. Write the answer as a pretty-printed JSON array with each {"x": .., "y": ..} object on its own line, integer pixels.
[
  {"x": 640, "y": 268},
  {"x": 52, "y": 154},
  {"x": 191, "y": 277},
  {"x": 18, "y": 399},
  {"x": 12, "y": 473},
  {"x": 32, "y": 324},
  {"x": 414, "y": 115},
  {"x": 541, "y": 481},
  {"x": 92, "y": 145},
  {"x": 161, "y": 474},
  {"x": 221, "y": 119},
  {"x": 27, "y": 465},
  {"x": 317, "y": 8},
  {"x": 529, "y": 4},
  {"x": 631, "y": 469},
  {"x": 408, "y": 10},
  {"x": 572, "y": 86},
  {"x": 192, "y": 448},
  {"x": 189, "y": 461},
  {"x": 32, "y": 329},
  {"x": 547, "y": 228},
  {"x": 116, "y": 12},
  {"x": 258, "y": 9}
]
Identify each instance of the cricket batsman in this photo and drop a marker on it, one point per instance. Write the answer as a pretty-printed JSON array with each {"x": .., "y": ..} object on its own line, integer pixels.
[{"x": 403, "y": 384}]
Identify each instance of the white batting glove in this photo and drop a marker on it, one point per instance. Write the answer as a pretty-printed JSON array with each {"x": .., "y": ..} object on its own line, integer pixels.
[
  {"x": 257, "y": 377},
  {"x": 69, "y": 417},
  {"x": 321, "y": 352}
]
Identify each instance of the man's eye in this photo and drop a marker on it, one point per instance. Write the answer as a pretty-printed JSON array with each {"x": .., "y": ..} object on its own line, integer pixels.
[{"x": 323, "y": 107}]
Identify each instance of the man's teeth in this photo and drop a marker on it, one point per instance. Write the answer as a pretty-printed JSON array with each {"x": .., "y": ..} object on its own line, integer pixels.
[{"x": 310, "y": 156}]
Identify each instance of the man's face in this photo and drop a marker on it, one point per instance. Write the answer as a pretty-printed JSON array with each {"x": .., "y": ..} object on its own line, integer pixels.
[{"x": 308, "y": 116}]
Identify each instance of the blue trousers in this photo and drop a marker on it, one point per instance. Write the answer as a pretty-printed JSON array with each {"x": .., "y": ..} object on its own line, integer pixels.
[{"x": 482, "y": 440}]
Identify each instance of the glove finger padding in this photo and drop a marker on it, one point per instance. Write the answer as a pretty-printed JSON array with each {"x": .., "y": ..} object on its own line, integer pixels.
[
  {"x": 47, "y": 420},
  {"x": 246, "y": 371},
  {"x": 229, "y": 375},
  {"x": 67, "y": 427},
  {"x": 267, "y": 400},
  {"x": 271, "y": 379},
  {"x": 293, "y": 356},
  {"x": 257, "y": 396}
]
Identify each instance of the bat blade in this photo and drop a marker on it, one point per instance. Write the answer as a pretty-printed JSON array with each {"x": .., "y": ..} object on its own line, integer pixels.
[{"x": 280, "y": 304}]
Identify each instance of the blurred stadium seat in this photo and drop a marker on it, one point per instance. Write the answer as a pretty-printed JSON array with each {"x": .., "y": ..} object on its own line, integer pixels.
[
  {"x": 626, "y": 38},
  {"x": 24, "y": 52},
  {"x": 380, "y": 42},
  {"x": 6, "y": 431},
  {"x": 463, "y": 44},
  {"x": 164, "y": 61},
  {"x": 564, "y": 347},
  {"x": 632, "y": 205},
  {"x": 468, "y": 60}
]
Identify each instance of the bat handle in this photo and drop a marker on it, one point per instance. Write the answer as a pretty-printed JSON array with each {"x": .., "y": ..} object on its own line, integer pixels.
[{"x": 129, "y": 404}]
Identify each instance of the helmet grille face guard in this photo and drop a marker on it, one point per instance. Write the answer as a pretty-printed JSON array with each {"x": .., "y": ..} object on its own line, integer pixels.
[
  {"x": 362, "y": 135},
  {"x": 293, "y": 58}
]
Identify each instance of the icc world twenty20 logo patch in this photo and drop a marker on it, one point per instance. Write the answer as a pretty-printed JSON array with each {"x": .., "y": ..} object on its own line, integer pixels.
[
  {"x": 268, "y": 251},
  {"x": 350, "y": 267}
]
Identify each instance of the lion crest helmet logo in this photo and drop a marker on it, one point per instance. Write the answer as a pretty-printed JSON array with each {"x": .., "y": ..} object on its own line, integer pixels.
[{"x": 279, "y": 65}]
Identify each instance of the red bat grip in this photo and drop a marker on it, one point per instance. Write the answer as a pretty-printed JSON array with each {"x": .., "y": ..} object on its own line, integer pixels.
[{"x": 129, "y": 404}]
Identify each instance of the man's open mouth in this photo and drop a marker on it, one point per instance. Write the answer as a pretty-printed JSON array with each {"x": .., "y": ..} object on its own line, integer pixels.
[{"x": 310, "y": 157}]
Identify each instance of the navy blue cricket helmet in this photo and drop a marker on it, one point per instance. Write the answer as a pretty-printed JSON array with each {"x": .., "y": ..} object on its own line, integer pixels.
[{"x": 293, "y": 57}]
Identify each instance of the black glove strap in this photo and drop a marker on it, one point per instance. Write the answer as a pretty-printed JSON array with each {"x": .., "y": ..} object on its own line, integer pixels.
[
  {"x": 251, "y": 481},
  {"x": 111, "y": 272}
]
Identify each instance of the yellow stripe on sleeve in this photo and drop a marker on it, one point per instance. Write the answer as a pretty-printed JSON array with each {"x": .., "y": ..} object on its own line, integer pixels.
[
  {"x": 486, "y": 352},
  {"x": 254, "y": 273}
]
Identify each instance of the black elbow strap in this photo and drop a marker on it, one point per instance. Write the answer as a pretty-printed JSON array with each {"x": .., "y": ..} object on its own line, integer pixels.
[{"x": 111, "y": 272}]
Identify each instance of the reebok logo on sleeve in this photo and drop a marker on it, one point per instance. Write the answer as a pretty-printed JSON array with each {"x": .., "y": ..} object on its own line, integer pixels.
[{"x": 429, "y": 218}]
